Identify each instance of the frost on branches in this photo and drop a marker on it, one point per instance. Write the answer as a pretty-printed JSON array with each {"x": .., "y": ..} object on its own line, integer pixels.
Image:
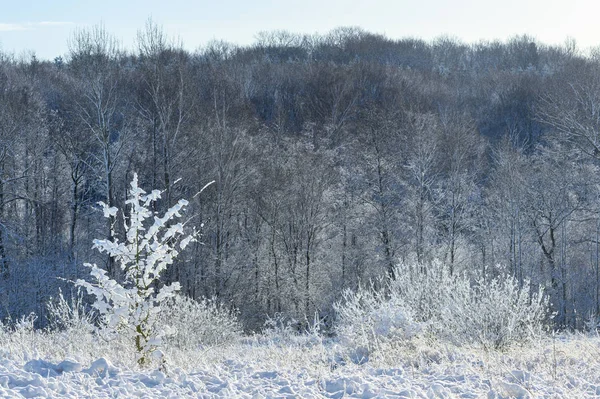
[{"x": 152, "y": 244}]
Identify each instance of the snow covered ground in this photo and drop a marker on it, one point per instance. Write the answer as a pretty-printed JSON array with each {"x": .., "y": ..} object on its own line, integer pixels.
[{"x": 35, "y": 365}]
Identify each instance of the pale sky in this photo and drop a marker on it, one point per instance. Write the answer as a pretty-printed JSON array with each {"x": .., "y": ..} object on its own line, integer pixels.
[{"x": 45, "y": 26}]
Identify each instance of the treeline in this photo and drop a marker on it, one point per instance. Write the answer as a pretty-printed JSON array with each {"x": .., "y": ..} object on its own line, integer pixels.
[{"x": 333, "y": 157}]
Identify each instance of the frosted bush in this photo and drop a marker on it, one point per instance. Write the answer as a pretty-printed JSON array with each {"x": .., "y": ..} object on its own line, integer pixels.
[
  {"x": 427, "y": 299},
  {"x": 491, "y": 312},
  {"x": 368, "y": 318},
  {"x": 592, "y": 323},
  {"x": 3, "y": 331},
  {"x": 20, "y": 336},
  {"x": 497, "y": 313},
  {"x": 25, "y": 325},
  {"x": 425, "y": 289},
  {"x": 70, "y": 315},
  {"x": 280, "y": 328},
  {"x": 282, "y": 331},
  {"x": 198, "y": 323}
]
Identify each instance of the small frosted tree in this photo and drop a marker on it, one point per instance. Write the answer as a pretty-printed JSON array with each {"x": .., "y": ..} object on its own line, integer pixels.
[{"x": 131, "y": 307}]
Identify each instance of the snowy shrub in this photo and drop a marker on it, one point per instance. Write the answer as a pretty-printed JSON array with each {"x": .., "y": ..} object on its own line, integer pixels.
[
  {"x": 368, "y": 318},
  {"x": 20, "y": 337},
  {"x": 21, "y": 334},
  {"x": 591, "y": 323},
  {"x": 426, "y": 298},
  {"x": 496, "y": 313},
  {"x": 491, "y": 312},
  {"x": 70, "y": 315},
  {"x": 425, "y": 289},
  {"x": 3, "y": 331},
  {"x": 25, "y": 325},
  {"x": 280, "y": 328},
  {"x": 198, "y": 323},
  {"x": 150, "y": 246}
]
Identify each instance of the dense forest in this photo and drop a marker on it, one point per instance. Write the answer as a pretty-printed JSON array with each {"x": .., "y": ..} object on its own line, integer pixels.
[{"x": 334, "y": 158}]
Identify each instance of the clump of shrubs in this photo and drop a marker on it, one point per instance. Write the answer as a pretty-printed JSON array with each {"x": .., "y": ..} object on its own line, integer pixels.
[
  {"x": 193, "y": 324},
  {"x": 71, "y": 314},
  {"x": 188, "y": 325},
  {"x": 427, "y": 300},
  {"x": 369, "y": 318}
]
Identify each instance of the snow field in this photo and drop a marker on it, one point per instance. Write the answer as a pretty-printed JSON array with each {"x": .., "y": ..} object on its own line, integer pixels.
[{"x": 36, "y": 365}]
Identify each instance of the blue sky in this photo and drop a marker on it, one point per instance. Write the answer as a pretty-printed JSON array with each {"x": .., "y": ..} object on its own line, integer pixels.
[{"x": 45, "y": 26}]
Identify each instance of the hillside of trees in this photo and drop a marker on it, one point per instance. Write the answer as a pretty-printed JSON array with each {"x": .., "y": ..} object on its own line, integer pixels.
[{"x": 334, "y": 157}]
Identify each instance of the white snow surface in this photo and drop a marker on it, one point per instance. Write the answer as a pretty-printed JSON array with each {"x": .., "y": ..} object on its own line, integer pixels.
[{"x": 258, "y": 369}]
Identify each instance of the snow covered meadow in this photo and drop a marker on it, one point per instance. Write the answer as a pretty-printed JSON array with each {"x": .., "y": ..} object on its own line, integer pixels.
[
  {"x": 402, "y": 344},
  {"x": 282, "y": 364}
]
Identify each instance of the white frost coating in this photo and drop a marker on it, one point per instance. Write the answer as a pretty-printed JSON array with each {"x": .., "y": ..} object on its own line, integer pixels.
[
  {"x": 186, "y": 241},
  {"x": 108, "y": 211},
  {"x": 203, "y": 188}
]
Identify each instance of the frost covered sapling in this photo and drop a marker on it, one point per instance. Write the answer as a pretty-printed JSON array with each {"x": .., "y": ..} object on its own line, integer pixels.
[{"x": 151, "y": 245}]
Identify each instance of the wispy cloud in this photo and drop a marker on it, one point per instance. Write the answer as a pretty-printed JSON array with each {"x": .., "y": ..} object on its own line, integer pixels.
[
  {"x": 11, "y": 27},
  {"x": 55, "y": 23}
]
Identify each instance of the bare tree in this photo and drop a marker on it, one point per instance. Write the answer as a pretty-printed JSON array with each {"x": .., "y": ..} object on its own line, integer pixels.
[
  {"x": 506, "y": 204},
  {"x": 94, "y": 57},
  {"x": 165, "y": 104},
  {"x": 573, "y": 109},
  {"x": 553, "y": 198},
  {"x": 422, "y": 165},
  {"x": 457, "y": 191}
]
